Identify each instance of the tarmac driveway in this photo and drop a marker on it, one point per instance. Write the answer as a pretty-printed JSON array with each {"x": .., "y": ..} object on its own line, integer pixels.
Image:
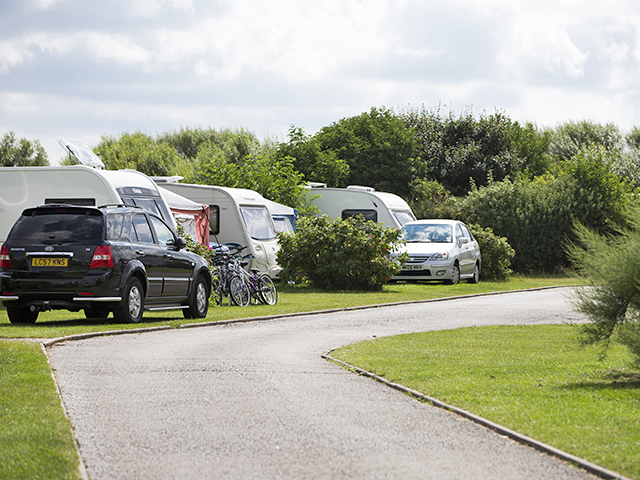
[{"x": 256, "y": 401}]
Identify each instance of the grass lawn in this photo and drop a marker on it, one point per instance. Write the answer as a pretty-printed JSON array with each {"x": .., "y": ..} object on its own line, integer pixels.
[
  {"x": 535, "y": 380},
  {"x": 35, "y": 435}
]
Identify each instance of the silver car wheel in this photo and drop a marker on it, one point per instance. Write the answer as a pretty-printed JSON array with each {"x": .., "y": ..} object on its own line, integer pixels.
[
  {"x": 201, "y": 297},
  {"x": 135, "y": 301}
]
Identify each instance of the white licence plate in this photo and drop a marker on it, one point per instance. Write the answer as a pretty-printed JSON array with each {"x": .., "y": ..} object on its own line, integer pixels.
[{"x": 413, "y": 267}]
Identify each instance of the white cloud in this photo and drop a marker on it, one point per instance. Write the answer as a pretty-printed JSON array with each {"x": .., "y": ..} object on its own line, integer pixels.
[{"x": 151, "y": 8}]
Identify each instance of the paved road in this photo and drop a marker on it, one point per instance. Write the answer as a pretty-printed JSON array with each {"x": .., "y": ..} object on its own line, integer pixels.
[{"x": 257, "y": 401}]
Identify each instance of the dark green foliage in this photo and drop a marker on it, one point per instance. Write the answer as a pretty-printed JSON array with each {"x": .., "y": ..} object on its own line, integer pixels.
[
  {"x": 496, "y": 253},
  {"x": 380, "y": 151},
  {"x": 536, "y": 216},
  {"x": 310, "y": 160},
  {"x": 463, "y": 152},
  {"x": 429, "y": 199},
  {"x": 335, "y": 254},
  {"x": 16, "y": 152},
  {"x": 610, "y": 266}
]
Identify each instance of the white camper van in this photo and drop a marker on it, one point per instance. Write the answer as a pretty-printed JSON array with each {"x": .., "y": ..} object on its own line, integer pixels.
[
  {"x": 382, "y": 207},
  {"x": 239, "y": 217}
]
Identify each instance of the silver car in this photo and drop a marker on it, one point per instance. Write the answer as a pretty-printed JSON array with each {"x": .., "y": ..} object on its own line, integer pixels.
[{"x": 442, "y": 250}]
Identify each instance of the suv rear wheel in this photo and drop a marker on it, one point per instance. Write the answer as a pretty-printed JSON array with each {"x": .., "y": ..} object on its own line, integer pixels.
[
  {"x": 130, "y": 311},
  {"x": 21, "y": 315},
  {"x": 199, "y": 300}
]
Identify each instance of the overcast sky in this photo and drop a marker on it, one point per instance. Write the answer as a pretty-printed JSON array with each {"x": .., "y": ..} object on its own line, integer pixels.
[{"x": 80, "y": 69}]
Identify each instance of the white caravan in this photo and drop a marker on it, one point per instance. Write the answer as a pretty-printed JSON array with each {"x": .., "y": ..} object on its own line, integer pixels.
[
  {"x": 87, "y": 184},
  {"x": 386, "y": 208},
  {"x": 284, "y": 218},
  {"x": 237, "y": 217}
]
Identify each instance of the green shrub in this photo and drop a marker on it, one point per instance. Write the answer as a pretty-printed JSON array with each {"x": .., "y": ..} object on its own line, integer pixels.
[
  {"x": 537, "y": 216},
  {"x": 335, "y": 254},
  {"x": 496, "y": 253}
]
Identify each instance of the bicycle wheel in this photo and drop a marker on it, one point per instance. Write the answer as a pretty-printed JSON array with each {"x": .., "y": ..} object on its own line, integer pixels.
[
  {"x": 217, "y": 285},
  {"x": 239, "y": 292},
  {"x": 267, "y": 292}
]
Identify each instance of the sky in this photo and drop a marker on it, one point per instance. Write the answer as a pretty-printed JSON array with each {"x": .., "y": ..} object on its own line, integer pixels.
[{"x": 80, "y": 70}]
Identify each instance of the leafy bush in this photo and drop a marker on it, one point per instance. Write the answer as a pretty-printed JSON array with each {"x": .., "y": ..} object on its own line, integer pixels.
[
  {"x": 335, "y": 254},
  {"x": 496, "y": 253},
  {"x": 429, "y": 199},
  {"x": 537, "y": 215}
]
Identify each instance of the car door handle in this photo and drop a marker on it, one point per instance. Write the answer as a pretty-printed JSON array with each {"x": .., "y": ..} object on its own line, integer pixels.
[
  {"x": 168, "y": 255},
  {"x": 140, "y": 253}
]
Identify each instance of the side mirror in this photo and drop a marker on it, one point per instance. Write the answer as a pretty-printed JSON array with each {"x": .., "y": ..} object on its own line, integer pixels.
[
  {"x": 180, "y": 243},
  {"x": 463, "y": 241}
]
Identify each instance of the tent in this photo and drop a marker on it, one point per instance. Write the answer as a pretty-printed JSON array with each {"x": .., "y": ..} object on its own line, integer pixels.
[{"x": 191, "y": 216}]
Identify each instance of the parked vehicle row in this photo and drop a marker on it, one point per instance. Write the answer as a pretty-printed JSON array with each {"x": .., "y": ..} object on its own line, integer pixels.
[{"x": 104, "y": 241}]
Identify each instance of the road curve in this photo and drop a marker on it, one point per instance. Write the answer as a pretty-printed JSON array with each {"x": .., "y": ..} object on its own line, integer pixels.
[{"x": 257, "y": 401}]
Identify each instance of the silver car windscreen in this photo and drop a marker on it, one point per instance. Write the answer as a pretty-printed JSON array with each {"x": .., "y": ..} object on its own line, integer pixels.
[{"x": 428, "y": 233}]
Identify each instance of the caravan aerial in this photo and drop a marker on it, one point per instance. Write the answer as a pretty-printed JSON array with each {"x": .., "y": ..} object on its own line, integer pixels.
[
  {"x": 382, "y": 207},
  {"x": 87, "y": 184}
]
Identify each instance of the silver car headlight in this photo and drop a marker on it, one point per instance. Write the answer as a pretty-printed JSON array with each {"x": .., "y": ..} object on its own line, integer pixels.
[{"x": 440, "y": 256}]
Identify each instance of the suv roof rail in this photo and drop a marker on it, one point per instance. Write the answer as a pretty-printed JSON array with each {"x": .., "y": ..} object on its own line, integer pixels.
[{"x": 119, "y": 205}]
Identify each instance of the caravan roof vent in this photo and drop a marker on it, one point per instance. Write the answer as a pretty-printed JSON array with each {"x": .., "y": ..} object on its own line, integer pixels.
[
  {"x": 315, "y": 185},
  {"x": 82, "y": 153},
  {"x": 361, "y": 188}
]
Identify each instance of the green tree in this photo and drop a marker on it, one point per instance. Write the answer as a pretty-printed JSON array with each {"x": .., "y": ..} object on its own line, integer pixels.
[
  {"x": 310, "y": 160},
  {"x": 137, "y": 151},
  {"x": 381, "y": 152},
  {"x": 271, "y": 176},
  {"x": 21, "y": 152},
  {"x": 537, "y": 215},
  {"x": 610, "y": 296},
  {"x": 463, "y": 151},
  {"x": 571, "y": 137}
]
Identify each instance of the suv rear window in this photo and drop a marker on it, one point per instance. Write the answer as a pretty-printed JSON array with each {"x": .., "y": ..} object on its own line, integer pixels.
[{"x": 58, "y": 226}]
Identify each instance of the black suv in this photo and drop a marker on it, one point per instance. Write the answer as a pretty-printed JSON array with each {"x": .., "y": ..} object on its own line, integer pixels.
[{"x": 113, "y": 258}]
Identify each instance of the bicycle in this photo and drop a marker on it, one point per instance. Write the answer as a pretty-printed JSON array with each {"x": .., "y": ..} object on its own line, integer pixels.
[
  {"x": 227, "y": 279},
  {"x": 261, "y": 287},
  {"x": 231, "y": 279}
]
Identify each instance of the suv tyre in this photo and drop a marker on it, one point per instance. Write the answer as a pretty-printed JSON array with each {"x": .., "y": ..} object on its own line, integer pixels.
[
  {"x": 130, "y": 311},
  {"x": 21, "y": 315},
  {"x": 199, "y": 300}
]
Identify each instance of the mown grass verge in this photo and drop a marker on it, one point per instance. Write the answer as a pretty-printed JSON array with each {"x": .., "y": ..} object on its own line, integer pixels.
[
  {"x": 535, "y": 380},
  {"x": 35, "y": 435}
]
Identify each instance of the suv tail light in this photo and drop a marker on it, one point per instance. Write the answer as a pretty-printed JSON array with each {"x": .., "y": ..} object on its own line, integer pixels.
[
  {"x": 102, "y": 257},
  {"x": 5, "y": 260}
]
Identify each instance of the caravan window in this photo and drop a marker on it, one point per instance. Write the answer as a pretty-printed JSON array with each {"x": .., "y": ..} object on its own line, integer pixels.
[
  {"x": 403, "y": 217},
  {"x": 214, "y": 219},
  {"x": 258, "y": 222},
  {"x": 367, "y": 214},
  {"x": 283, "y": 224}
]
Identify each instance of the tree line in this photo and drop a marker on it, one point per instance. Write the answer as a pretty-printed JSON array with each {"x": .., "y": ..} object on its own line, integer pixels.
[{"x": 527, "y": 183}]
